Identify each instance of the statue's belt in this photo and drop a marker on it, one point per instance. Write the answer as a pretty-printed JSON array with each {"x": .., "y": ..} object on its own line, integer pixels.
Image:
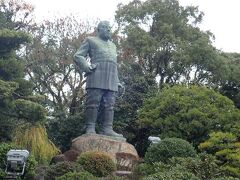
[{"x": 103, "y": 61}]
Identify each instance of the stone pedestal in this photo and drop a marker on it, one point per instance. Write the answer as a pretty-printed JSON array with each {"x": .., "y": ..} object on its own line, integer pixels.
[{"x": 122, "y": 153}]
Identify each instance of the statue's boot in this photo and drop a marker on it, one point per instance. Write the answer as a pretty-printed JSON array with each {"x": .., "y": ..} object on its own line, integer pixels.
[
  {"x": 90, "y": 120},
  {"x": 107, "y": 125}
]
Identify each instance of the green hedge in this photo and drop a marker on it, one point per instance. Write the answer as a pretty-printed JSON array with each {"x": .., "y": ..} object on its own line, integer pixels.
[{"x": 168, "y": 148}]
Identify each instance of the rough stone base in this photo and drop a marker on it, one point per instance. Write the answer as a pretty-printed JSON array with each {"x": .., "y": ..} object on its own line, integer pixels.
[{"x": 122, "y": 153}]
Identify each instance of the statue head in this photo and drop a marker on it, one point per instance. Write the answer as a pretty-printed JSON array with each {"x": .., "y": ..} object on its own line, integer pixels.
[{"x": 104, "y": 30}]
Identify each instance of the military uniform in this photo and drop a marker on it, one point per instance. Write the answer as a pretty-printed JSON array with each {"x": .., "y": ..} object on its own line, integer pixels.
[{"x": 101, "y": 83}]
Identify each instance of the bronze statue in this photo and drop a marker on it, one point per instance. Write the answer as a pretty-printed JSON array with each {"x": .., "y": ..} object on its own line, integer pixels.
[{"x": 102, "y": 79}]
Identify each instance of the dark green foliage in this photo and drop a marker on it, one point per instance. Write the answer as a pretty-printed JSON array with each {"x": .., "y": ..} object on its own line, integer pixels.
[
  {"x": 77, "y": 176},
  {"x": 173, "y": 173},
  {"x": 230, "y": 79},
  {"x": 2, "y": 174},
  {"x": 188, "y": 112},
  {"x": 225, "y": 178},
  {"x": 25, "y": 89},
  {"x": 98, "y": 163},
  {"x": 10, "y": 69},
  {"x": 31, "y": 166},
  {"x": 4, "y": 148},
  {"x": 168, "y": 148},
  {"x": 15, "y": 104},
  {"x": 138, "y": 86},
  {"x": 63, "y": 129},
  {"x": 171, "y": 44},
  {"x": 11, "y": 40},
  {"x": 170, "y": 47},
  {"x": 7, "y": 89},
  {"x": 113, "y": 177},
  {"x": 144, "y": 169},
  {"x": 31, "y": 111},
  {"x": 204, "y": 166},
  {"x": 61, "y": 168}
]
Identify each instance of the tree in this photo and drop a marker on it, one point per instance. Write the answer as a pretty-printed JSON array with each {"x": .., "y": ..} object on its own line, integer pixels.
[
  {"x": 138, "y": 86},
  {"x": 188, "y": 112},
  {"x": 20, "y": 109},
  {"x": 225, "y": 146},
  {"x": 49, "y": 63},
  {"x": 229, "y": 78},
  {"x": 16, "y": 92},
  {"x": 165, "y": 40},
  {"x": 15, "y": 14},
  {"x": 63, "y": 129}
]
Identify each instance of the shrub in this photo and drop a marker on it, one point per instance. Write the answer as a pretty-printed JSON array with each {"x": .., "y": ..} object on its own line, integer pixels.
[
  {"x": 41, "y": 172},
  {"x": 77, "y": 176},
  {"x": 142, "y": 169},
  {"x": 188, "y": 112},
  {"x": 31, "y": 165},
  {"x": 4, "y": 148},
  {"x": 173, "y": 173},
  {"x": 2, "y": 174},
  {"x": 61, "y": 168},
  {"x": 98, "y": 163},
  {"x": 225, "y": 178},
  {"x": 225, "y": 146},
  {"x": 205, "y": 166},
  {"x": 113, "y": 177},
  {"x": 168, "y": 148},
  {"x": 201, "y": 167}
]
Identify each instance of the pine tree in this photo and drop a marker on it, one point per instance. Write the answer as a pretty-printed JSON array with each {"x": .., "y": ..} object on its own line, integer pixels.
[{"x": 20, "y": 109}]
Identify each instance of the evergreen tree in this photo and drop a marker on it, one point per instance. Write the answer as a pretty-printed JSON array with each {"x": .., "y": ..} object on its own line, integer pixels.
[
  {"x": 13, "y": 86},
  {"x": 188, "y": 112},
  {"x": 17, "y": 101},
  {"x": 164, "y": 38},
  {"x": 20, "y": 109}
]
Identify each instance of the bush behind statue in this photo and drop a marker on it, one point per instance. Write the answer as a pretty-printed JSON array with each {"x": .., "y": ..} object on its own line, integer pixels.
[
  {"x": 168, "y": 148},
  {"x": 98, "y": 163}
]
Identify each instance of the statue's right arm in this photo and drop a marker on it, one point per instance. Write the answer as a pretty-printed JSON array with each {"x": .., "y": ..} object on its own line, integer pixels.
[{"x": 80, "y": 57}]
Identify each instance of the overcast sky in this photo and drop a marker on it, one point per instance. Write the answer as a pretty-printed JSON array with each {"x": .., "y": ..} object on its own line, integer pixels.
[{"x": 221, "y": 16}]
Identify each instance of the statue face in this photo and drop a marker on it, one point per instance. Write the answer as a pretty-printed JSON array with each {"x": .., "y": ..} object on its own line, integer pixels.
[{"x": 104, "y": 30}]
